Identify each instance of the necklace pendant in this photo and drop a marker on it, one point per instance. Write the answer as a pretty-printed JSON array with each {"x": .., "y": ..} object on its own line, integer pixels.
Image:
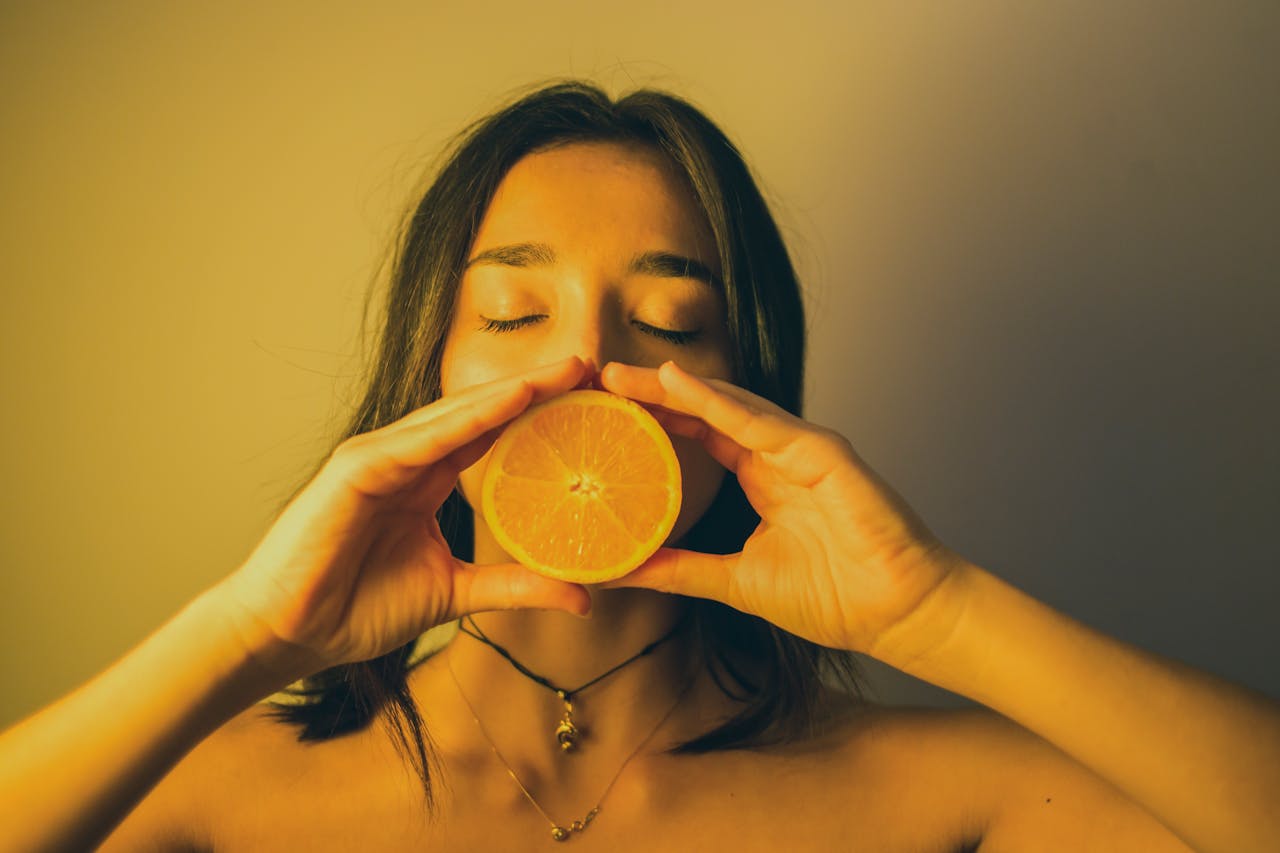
[
  {"x": 559, "y": 833},
  {"x": 567, "y": 735}
]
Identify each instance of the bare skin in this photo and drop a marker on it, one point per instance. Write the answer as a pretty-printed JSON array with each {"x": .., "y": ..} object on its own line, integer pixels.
[
  {"x": 883, "y": 779},
  {"x": 595, "y": 207},
  {"x": 877, "y": 779}
]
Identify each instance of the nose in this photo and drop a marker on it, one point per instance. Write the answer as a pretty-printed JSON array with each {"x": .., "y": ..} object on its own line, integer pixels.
[
  {"x": 594, "y": 339},
  {"x": 591, "y": 379}
]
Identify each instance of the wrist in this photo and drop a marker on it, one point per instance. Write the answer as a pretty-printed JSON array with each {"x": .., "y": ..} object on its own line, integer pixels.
[
  {"x": 924, "y": 634},
  {"x": 263, "y": 659}
]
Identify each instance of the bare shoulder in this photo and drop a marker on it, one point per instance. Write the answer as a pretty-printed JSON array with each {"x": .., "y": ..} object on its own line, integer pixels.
[
  {"x": 183, "y": 811},
  {"x": 1023, "y": 791},
  {"x": 915, "y": 769}
]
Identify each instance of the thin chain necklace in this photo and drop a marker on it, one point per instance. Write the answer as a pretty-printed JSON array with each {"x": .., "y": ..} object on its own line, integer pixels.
[
  {"x": 567, "y": 734},
  {"x": 560, "y": 833}
]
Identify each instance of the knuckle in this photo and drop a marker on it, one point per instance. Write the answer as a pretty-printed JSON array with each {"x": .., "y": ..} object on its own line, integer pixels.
[
  {"x": 349, "y": 447},
  {"x": 833, "y": 438},
  {"x": 352, "y": 453}
]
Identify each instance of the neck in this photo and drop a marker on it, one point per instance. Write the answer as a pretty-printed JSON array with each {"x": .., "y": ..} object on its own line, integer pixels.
[{"x": 614, "y": 715}]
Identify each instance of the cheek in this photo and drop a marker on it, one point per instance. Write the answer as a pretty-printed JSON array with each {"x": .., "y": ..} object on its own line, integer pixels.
[
  {"x": 464, "y": 362},
  {"x": 701, "y": 476},
  {"x": 470, "y": 480}
]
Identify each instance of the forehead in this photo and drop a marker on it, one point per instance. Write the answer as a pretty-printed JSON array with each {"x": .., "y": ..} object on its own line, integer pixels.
[{"x": 598, "y": 198}]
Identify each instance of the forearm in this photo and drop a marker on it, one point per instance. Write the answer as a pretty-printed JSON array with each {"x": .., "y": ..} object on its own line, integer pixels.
[
  {"x": 1200, "y": 753},
  {"x": 71, "y": 772}
]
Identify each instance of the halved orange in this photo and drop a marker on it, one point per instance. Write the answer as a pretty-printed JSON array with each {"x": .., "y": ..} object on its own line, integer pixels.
[{"x": 583, "y": 487}]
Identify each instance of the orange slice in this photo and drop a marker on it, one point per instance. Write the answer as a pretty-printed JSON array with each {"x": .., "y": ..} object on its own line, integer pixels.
[{"x": 583, "y": 488}]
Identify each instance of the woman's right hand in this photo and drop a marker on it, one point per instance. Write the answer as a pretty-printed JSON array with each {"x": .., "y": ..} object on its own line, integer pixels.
[{"x": 356, "y": 565}]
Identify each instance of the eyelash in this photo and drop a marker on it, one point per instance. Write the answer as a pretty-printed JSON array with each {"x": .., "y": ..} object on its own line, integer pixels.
[{"x": 679, "y": 338}]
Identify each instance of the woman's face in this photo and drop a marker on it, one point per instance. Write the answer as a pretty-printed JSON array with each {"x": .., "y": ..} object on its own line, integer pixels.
[{"x": 559, "y": 268}]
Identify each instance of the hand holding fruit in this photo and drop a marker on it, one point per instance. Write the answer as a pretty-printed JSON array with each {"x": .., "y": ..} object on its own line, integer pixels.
[
  {"x": 838, "y": 557},
  {"x": 356, "y": 564}
]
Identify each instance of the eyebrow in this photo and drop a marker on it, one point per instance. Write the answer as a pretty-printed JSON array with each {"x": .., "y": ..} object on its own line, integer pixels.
[{"x": 660, "y": 264}]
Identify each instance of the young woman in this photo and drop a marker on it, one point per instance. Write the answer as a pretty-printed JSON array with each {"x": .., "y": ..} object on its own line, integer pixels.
[{"x": 709, "y": 701}]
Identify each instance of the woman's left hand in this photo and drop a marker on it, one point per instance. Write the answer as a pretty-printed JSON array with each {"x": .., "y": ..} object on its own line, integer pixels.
[{"x": 838, "y": 558}]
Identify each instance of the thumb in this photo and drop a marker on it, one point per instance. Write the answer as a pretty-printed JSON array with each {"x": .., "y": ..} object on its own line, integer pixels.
[
  {"x": 511, "y": 586},
  {"x": 681, "y": 572}
]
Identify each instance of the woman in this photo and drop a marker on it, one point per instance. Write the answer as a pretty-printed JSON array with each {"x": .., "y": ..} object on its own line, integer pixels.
[{"x": 571, "y": 241}]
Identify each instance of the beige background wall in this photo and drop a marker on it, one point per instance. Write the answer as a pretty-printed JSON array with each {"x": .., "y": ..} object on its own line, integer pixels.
[{"x": 1038, "y": 238}]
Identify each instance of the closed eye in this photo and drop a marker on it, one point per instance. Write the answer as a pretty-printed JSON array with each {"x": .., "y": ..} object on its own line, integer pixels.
[
  {"x": 509, "y": 325},
  {"x": 675, "y": 336}
]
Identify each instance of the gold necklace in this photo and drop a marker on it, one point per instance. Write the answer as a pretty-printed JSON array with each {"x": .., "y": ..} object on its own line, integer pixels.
[{"x": 560, "y": 833}]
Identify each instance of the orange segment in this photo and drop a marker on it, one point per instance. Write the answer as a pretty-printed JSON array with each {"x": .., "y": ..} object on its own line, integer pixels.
[{"x": 584, "y": 487}]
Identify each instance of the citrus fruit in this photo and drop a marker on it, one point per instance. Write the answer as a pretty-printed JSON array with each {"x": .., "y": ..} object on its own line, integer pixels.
[{"x": 583, "y": 487}]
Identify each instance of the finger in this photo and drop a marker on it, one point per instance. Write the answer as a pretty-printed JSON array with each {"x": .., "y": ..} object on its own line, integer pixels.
[
  {"x": 511, "y": 586},
  {"x": 381, "y": 463},
  {"x": 723, "y": 449},
  {"x": 643, "y": 384},
  {"x": 590, "y": 375},
  {"x": 638, "y": 383},
  {"x": 681, "y": 572},
  {"x": 750, "y": 420},
  {"x": 737, "y": 415},
  {"x": 436, "y": 482},
  {"x": 547, "y": 381}
]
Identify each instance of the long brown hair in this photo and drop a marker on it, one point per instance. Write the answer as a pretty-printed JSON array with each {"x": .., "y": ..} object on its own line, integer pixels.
[{"x": 775, "y": 675}]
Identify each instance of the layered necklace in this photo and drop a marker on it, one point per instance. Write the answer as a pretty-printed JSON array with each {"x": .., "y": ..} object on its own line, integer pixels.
[{"x": 567, "y": 734}]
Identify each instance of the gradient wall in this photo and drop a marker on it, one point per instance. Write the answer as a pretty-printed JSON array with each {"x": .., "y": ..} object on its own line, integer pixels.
[{"x": 1038, "y": 242}]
